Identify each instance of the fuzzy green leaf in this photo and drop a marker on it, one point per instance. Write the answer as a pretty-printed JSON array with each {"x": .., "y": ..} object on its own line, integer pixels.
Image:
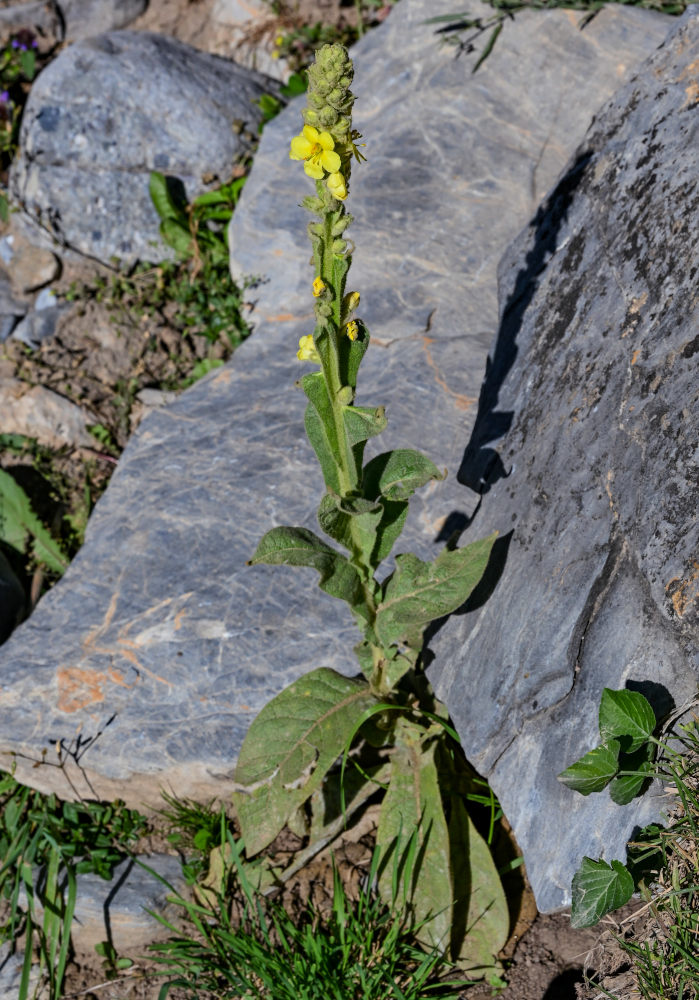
[
  {"x": 177, "y": 236},
  {"x": 599, "y": 888},
  {"x": 164, "y": 203},
  {"x": 290, "y": 747},
  {"x": 481, "y": 919},
  {"x": 413, "y": 802},
  {"x": 338, "y": 517},
  {"x": 18, "y": 522},
  {"x": 320, "y": 428},
  {"x": 397, "y": 474},
  {"x": 594, "y": 771},
  {"x": 626, "y": 716},
  {"x": 418, "y": 592},
  {"x": 626, "y": 787},
  {"x": 363, "y": 422},
  {"x": 289, "y": 546}
]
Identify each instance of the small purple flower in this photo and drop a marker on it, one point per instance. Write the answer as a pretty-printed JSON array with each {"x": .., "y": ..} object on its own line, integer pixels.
[
  {"x": 5, "y": 97},
  {"x": 15, "y": 43}
]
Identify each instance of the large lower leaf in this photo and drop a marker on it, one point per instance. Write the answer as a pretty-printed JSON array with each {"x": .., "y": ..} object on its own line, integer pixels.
[
  {"x": 419, "y": 592},
  {"x": 481, "y": 919},
  {"x": 300, "y": 547},
  {"x": 413, "y": 803},
  {"x": 289, "y": 748},
  {"x": 18, "y": 522}
]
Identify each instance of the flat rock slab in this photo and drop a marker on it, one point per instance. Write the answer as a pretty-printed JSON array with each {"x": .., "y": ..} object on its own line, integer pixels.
[
  {"x": 145, "y": 665},
  {"x": 594, "y": 487},
  {"x": 109, "y": 110}
]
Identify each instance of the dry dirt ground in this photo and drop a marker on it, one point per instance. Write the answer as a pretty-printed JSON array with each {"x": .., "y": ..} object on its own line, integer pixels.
[{"x": 545, "y": 957}]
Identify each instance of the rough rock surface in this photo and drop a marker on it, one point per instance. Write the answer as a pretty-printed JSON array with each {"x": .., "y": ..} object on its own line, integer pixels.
[
  {"x": 163, "y": 645},
  {"x": 594, "y": 487},
  {"x": 70, "y": 20},
  {"x": 109, "y": 110},
  {"x": 40, "y": 413}
]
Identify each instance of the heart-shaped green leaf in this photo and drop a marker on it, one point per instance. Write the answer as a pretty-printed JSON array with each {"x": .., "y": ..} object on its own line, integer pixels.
[
  {"x": 599, "y": 888},
  {"x": 594, "y": 771},
  {"x": 626, "y": 716}
]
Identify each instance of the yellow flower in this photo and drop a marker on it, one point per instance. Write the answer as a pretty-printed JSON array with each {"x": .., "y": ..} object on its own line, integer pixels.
[
  {"x": 318, "y": 287},
  {"x": 352, "y": 330},
  {"x": 336, "y": 186},
  {"x": 317, "y": 149},
  {"x": 307, "y": 349}
]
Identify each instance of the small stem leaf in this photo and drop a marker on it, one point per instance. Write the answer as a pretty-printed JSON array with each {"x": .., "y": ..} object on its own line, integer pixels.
[
  {"x": 594, "y": 771},
  {"x": 599, "y": 888},
  {"x": 389, "y": 529},
  {"x": 363, "y": 422},
  {"x": 418, "y": 592},
  {"x": 352, "y": 355},
  {"x": 320, "y": 428},
  {"x": 413, "y": 802},
  {"x": 481, "y": 917},
  {"x": 351, "y": 521},
  {"x": 397, "y": 474},
  {"x": 626, "y": 716},
  {"x": 290, "y": 546},
  {"x": 18, "y": 521},
  {"x": 290, "y": 747},
  {"x": 626, "y": 787}
]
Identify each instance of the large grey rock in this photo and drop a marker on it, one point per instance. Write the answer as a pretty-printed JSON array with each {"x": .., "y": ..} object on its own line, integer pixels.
[
  {"x": 109, "y": 110},
  {"x": 595, "y": 485},
  {"x": 70, "y": 20},
  {"x": 163, "y": 645}
]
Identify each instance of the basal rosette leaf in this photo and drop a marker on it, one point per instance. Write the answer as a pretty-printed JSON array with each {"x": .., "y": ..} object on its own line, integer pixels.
[
  {"x": 290, "y": 747},
  {"x": 626, "y": 716},
  {"x": 296, "y": 546},
  {"x": 481, "y": 919},
  {"x": 413, "y": 803},
  {"x": 418, "y": 592},
  {"x": 594, "y": 770},
  {"x": 599, "y": 888}
]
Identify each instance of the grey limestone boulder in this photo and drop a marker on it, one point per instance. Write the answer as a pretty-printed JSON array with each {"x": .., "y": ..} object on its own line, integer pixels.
[
  {"x": 146, "y": 663},
  {"x": 70, "y": 20},
  {"x": 594, "y": 486},
  {"x": 109, "y": 110}
]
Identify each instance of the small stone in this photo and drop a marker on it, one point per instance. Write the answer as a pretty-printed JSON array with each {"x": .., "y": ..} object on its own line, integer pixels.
[
  {"x": 30, "y": 267},
  {"x": 40, "y": 413}
]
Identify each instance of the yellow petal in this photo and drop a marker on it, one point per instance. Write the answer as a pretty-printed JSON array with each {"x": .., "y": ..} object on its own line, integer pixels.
[
  {"x": 352, "y": 330},
  {"x": 301, "y": 148},
  {"x": 331, "y": 161},
  {"x": 307, "y": 349},
  {"x": 318, "y": 287},
  {"x": 326, "y": 140},
  {"x": 313, "y": 168},
  {"x": 311, "y": 134}
]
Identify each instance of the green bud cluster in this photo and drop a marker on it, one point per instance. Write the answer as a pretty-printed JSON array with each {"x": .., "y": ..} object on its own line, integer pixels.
[{"x": 329, "y": 97}]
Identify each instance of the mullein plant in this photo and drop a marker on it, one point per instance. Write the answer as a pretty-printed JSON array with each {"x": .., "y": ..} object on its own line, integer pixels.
[{"x": 313, "y": 733}]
